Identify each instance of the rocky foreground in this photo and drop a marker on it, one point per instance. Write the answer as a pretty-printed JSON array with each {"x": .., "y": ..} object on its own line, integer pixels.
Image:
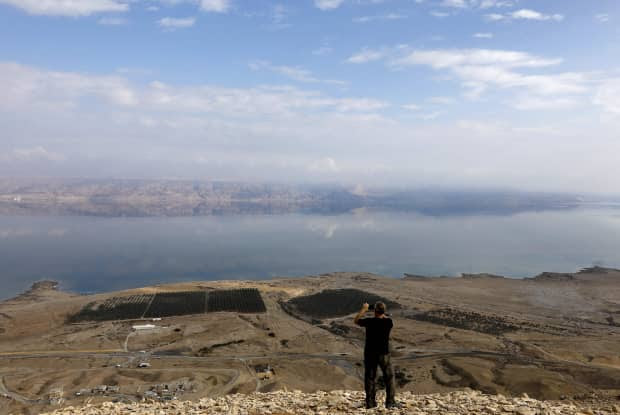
[{"x": 345, "y": 402}]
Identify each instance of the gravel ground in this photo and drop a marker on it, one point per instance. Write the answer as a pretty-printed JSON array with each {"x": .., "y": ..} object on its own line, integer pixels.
[{"x": 345, "y": 402}]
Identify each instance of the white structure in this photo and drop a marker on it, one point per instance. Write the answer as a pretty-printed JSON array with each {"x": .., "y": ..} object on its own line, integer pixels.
[{"x": 139, "y": 327}]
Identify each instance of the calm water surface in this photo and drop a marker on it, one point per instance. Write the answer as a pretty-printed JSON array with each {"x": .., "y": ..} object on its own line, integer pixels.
[{"x": 89, "y": 254}]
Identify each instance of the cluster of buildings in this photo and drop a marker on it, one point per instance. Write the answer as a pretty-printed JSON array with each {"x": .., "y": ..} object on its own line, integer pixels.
[
  {"x": 99, "y": 390},
  {"x": 164, "y": 392}
]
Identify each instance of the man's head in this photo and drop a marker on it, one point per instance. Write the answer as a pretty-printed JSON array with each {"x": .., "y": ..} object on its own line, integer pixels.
[{"x": 379, "y": 309}]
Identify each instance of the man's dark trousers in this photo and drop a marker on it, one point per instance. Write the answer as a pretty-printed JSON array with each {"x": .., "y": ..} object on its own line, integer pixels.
[{"x": 371, "y": 361}]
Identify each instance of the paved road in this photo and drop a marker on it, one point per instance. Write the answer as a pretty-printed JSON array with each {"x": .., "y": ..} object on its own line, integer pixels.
[{"x": 106, "y": 354}]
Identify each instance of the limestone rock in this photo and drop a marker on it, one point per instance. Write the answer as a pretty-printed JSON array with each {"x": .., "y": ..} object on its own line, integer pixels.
[{"x": 341, "y": 403}]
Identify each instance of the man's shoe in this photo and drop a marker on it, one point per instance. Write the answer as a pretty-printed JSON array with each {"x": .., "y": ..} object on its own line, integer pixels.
[{"x": 394, "y": 405}]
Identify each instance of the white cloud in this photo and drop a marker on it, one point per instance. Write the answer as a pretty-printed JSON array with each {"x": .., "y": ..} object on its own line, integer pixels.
[
  {"x": 216, "y": 6},
  {"x": 25, "y": 87},
  {"x": 322, "y": 51},
  {"x": 608, "y": 96},
  {"x": 439, "y": 14},
  {"x": 534, "y": 15},
  {"x": 367, "y": 55},
  {"x": 602, "y": 17},
  {"x": 72, "y": 8},
  {"x": 279, "y": 15},
  {"x": 411, "y": 107},
  {"x": 487, "y": 4},
  {"x": 461, "y": 4},
  {"x": 112, "y": 21},
  {"x": 482, "y": 4},
  {"x": 106, "y": 126},
  {"x": 483, "y": 35},
  {"x": 389, "y": 16},
  {"x": 525, "y": 14},
  {"x": 449, "y": 58},
  {"x": 441, "y": 100},
  {"x": 429, "y": 116},
  {"x": 293, "y": 72},
  {"x": 172, "y": 23},
  {"x": 533, "y": 103},
  {"x": 328, "y": 4},
  {"x": 561, "y": 83},
  {"x": 480, "y": 69},
  {"x": 495, "y": 17},
  {"x": 360, "y": 105}
]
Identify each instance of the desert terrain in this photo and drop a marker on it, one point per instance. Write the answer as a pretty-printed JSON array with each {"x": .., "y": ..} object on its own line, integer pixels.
[{"x": 553, "y": 337}]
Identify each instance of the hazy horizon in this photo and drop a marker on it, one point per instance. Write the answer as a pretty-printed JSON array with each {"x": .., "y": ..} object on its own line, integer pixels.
[{"x": 449, "y": 93}]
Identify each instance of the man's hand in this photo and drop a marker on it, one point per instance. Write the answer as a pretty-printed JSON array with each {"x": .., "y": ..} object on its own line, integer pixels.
[{"x": 361, "y": 313}]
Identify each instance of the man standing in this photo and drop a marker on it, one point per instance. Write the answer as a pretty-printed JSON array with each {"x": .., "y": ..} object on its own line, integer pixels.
[{"x": 377, "y": 353}]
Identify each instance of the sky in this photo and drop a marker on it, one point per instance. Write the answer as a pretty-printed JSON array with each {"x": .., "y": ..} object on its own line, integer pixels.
[{"x": 521, "y": 94}]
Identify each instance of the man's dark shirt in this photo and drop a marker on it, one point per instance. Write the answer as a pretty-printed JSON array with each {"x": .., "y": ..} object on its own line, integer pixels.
[{"x": 377, "y": 334}]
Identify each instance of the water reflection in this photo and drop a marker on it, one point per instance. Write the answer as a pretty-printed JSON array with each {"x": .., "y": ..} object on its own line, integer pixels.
[{"x": 97, "y": 254}]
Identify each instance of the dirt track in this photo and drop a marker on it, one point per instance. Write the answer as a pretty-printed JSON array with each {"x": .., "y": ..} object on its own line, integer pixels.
[{"x": 547, "y": 337}]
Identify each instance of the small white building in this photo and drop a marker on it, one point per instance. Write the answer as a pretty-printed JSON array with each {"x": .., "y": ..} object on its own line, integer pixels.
[{"x": 139, "y": 327}]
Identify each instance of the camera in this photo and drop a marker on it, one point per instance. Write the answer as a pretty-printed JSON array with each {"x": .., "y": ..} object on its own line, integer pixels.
[{"x": 371, "y": 307}]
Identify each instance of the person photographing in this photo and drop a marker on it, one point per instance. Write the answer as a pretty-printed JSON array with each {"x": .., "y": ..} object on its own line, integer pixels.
[{"x": 377, "y": 353}]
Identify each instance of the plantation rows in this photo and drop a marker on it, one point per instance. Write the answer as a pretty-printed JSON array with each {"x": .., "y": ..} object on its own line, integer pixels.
[
  {"x": 177, "y": 304},
  {"x": 336, "y": 303},
  {"x": 171, "y": 304},
  {"x": 245, "y": 300},
  {"x": 116, "y": 308}
]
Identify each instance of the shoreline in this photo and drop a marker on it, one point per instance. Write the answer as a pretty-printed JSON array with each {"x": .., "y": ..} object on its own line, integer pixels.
[{"x": 48, "y": 285}]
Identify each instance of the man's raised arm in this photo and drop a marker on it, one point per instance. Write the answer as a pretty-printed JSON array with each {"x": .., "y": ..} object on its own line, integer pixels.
[{"x": 361, "y": 313}]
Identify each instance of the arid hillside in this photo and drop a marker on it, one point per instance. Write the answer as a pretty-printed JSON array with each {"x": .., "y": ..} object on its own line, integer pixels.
[{"x": 554, "y": 337}]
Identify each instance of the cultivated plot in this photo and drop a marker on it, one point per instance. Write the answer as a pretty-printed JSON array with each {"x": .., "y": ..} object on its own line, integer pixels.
[
  {"x": 335, "y": 303},
  {"x": 177, "y": 304},
  {"x": 116, "y": 308},
  {"x": 245, "y": 300}
]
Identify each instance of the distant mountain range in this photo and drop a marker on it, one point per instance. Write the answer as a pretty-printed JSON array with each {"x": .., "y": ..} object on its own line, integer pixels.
[{"x": 138, "y": 198}]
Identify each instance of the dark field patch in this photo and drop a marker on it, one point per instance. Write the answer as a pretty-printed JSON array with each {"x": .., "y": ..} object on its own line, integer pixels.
[
  {"x": 335, "y": 303},
  {"x": 116, "y": 308},
  {"x": 206, "y": 350},
  {"x": 466, "y": 320},
  {"x": 171, "y": 304},
  {"x": 177, "y": 304},
  {"x": 245, "y": 300}
]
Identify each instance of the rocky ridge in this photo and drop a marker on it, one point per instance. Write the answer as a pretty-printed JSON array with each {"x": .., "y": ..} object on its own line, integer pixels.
[{"x": 346, "y": 402}]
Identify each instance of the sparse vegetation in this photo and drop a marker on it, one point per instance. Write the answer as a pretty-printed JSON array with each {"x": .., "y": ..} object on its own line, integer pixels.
[{"x": 466, "y": 320}]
